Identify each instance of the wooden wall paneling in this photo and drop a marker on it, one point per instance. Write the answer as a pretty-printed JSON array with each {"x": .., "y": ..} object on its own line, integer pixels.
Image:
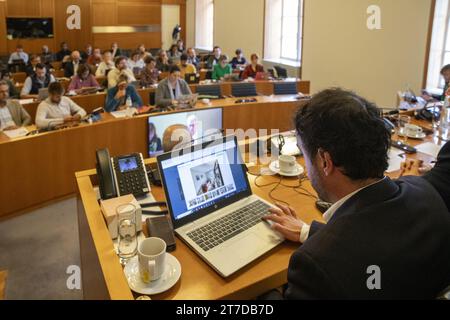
[
  {"x": 127, "y": 40},
  {"x": 104, "y": 13},
  {"x": 48, "y": 8},
  {"x": 136, "y": 13},
  {"x": 3, "y": 45},
  {"x": 183, "y": 17},
  {"x": 21, "y": 8},
  {"x": 75, "y": 38}
]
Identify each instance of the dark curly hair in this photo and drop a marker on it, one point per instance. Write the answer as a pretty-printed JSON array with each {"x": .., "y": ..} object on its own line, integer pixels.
[{"x": 350, "y": 128}]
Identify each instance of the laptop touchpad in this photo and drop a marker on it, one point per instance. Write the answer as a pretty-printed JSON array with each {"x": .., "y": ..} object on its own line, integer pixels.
[{"x": 245, "y": 247}]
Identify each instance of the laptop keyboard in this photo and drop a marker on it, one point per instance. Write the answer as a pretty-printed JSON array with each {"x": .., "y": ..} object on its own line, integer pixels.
[{"x": 223, "y": 229}]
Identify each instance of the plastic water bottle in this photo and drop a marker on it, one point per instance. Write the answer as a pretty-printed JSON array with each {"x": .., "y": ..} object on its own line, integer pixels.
[
  {"x": 445, "y": 114},
  {"x": 129, "y": 103}
]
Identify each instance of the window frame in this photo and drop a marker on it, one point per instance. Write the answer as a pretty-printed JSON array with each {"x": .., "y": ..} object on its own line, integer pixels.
[
  {"x": 299, "y": 32},
  {"x": 197, "y": 46}
]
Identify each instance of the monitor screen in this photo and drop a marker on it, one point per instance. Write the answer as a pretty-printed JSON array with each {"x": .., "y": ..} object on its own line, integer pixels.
[
  {"x": 21, "y": 28},
  {"x": 203, "y": 178},
  {"x": 203, "y": 125}
]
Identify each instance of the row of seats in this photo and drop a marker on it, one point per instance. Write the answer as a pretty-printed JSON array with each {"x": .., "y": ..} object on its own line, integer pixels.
[{"x": 247, "y": 89}]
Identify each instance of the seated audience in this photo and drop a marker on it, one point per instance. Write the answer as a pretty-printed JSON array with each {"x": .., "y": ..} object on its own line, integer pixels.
[
  {"x": 222, "y": 69},
  {"x": 12, "y": 113},
  {"x": 85, "y": 55},
  {"x": 106, "y": 65},
  {"x": 374, "y": 221},
  {"x": 163, "y": 62},
  {"x": 117, "y": 96},
  {"x": 143, "y": 52},
  {"x": 173, "y": 53},
  {"x": 253, "y": 68},
  {"x": 171, "y": 89},
  {"x": 71, "y": 67},
  {"x": 214, "y": 58},
  {"x": 185, "y": 66},
  {"x": 445, "y": 72},
  {"x": 31, "y": 67},
  {"x": 83, "y": 79},
  {"x": 6, "y": 76},
  {"x": 19, "y": 54},
  {"x": 150, "y": 74},
  {"x": 192, "y": 57},
  {"x": 135, "y": 63},
  {"x": 115, "y": 50},
  {"x": 121, "y": 68},
  {"x": 239, "y": 60},
  {"x": 64, "y": 52},
  {"x": 39, "y": 80},
  {"x": 58, "y": 109},
  {"x": 96, "y": 58},
  {"x": 46, "y": 56}
]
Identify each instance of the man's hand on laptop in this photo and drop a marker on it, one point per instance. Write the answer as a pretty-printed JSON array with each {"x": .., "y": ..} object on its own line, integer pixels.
[{"x": 285, "y": 221}]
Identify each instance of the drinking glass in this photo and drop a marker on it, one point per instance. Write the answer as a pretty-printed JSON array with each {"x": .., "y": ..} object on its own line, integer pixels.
[
  {"x": 403, "y": 121},
  {"x": 127, "y": 232}
]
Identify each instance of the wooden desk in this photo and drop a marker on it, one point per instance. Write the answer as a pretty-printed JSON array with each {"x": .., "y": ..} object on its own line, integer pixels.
[
  {"x": 94, "y": 101},
  {"x": 198, "y": 280},
  {"x": 41, "y": 168},
  {"x": 3, "y": 275}
]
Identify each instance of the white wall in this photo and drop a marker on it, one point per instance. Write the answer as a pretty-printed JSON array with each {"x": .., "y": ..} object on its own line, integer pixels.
[
  {"x": 170, "y": 18},
  {"x": 338, "y": 49}
]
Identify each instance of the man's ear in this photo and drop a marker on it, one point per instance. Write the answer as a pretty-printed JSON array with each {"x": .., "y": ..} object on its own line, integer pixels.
[{"x": 325, "y": 162}]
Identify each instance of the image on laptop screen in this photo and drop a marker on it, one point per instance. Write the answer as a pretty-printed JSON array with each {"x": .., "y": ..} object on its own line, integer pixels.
[
  {"x": 204, "y": 178},
  {"x": 202, "y": 124}
]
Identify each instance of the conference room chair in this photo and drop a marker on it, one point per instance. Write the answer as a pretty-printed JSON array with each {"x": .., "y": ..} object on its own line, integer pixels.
[
  {"x": 281, "y": 72},
  {"x": 209, "y": 90},
  {"x": 243, "y": 90},
  {"x": 285, "y": 88},
  {"x": 19, "y": 77}
]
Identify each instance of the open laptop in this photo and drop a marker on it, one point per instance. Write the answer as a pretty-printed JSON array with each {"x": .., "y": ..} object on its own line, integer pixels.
[
  {"x": 42, "y": 94},
  {"x": 212, "y": 206}
]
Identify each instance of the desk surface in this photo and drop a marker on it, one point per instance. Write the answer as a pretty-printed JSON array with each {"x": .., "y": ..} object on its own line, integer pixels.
[
  {"x": 198, "y": 280},
  {"x": 3, "y": 275}
]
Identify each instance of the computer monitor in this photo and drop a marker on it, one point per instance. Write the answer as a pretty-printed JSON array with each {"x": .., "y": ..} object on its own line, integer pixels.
[{"x": 203, "y": 125}]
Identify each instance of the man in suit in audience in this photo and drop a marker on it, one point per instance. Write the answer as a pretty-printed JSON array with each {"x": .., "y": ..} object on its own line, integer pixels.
[
  {"x": 31, "y": 67},
  {"x": 115, "y": 50},
  {"x": 214, "y": 58},
  {"x": 171, "y": 89},
  {"x": 46, "y": 56},
  {"x": 12, "y": 113},
  {"x": 192, "y": 57},
  {"x": 71, "y": 67},
  {"x": 64, "y": 52},
  {"x": 383, "y": 239}
]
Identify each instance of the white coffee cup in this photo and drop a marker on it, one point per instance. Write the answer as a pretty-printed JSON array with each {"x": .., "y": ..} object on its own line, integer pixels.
[
  {"x": 206, "y": 101},
  {"x": 152, "y": 259},
  {"x": 413, "y": 130},
  {"x": 288, "y": 164}
]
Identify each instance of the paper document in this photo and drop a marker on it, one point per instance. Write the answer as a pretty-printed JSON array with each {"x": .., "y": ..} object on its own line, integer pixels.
[
  {"x": 128, "y": 113},
  {"x": 16, "y": 133},
  {"x": 395, "y": 160},
  {"x": 429, "y": 148}
]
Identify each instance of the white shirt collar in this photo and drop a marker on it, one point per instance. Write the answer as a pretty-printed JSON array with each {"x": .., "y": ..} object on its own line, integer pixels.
[{"x": 330, "y": 212}]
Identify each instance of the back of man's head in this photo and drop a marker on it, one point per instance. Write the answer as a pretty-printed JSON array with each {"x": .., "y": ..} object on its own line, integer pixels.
[{"x": 349, "y": 128}]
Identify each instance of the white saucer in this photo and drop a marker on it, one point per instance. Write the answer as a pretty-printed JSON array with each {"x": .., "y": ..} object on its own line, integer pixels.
[
  {"x": 421, "y": 135},
  {"x": 171, "y": 275},
  {"x": 275, "y": 168}
]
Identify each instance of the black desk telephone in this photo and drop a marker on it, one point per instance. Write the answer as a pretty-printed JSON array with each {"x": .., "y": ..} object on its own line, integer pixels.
[{"x": 121, "y": 176}]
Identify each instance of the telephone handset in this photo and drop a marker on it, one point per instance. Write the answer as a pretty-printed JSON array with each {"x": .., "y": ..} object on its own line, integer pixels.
[{"x": 123, "y": 175}]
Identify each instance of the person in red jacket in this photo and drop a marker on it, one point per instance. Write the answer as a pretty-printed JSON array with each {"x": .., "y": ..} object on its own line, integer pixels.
[{"x": 253, "y": 68}]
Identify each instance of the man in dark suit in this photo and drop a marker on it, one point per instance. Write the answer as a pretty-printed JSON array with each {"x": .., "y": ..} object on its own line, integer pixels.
[
  {"x": 383, "y": 239},
  {"x": 71, "y": 67}
]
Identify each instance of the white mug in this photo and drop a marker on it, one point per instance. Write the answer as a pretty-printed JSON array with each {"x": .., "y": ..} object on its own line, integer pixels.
[
  {"x": 288, "y": 164},
  {"x": 413, "y": 130},
  {"x": 152, "y": 259}
]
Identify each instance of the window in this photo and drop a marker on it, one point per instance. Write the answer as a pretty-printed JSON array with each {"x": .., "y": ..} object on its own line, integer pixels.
[
  {"x": 283, "y": 36},
  {"x": 440, "y": 45},
  {"x": 204, "y": 24}
]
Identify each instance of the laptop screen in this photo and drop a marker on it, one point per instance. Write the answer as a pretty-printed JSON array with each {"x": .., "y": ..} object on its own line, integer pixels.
[{"x": 204, "y": 180}]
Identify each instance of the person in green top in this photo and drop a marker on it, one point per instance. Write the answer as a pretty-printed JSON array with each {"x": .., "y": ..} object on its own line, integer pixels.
[
  {"x": 445, "y": 72},
  {"x": 222, "y": 69}
]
